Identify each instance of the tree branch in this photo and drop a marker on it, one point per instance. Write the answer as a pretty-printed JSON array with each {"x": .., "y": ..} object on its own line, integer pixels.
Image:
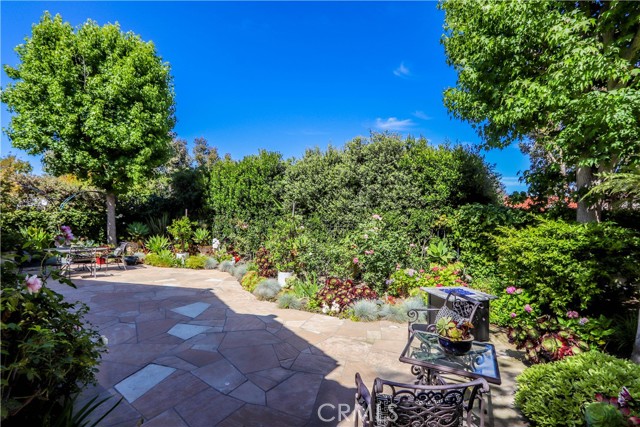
[{"x": 632, "y": 50}]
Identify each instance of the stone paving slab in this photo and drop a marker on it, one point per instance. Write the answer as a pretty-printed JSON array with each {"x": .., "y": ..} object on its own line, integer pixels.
[{"x": 235, "y": 361}]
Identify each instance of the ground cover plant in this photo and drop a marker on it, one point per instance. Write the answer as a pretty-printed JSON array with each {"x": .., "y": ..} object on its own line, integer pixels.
[{"x": 554, "y": 394}]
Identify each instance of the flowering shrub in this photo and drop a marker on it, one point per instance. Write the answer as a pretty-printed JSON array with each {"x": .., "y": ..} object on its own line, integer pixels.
[
  {"x": 48, "y": 352},
  {"x": 374, "y": 248},
  {"x": 65, "y": 237},
  {"x": 336, "y": 294},
  {"x": 407, "y": 281}
]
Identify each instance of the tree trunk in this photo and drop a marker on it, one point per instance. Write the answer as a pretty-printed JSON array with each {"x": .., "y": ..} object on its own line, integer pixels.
[
  {"x": 111, "y": 219},
  {"x": 584, "y": 178},
  {"x": 635, "y": 354}
]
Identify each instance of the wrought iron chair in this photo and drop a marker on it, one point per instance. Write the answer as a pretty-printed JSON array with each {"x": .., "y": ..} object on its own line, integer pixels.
[
  {"x": 457, "y": 306},
  {"x": 397, "y": 404},
  {"x": 117, "y": 257},
  {"x": 83, "y": 257}
]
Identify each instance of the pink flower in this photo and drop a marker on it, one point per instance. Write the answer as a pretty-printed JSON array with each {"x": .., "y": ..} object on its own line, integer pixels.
[
  {"x": 434, "y": 268},
  {"x": 421, "y": 270},
  {"x": 33, "y": 284},
  {"x": 370, "y": 252},
  {"x": 511, "y": 290},
  {"x": 513, "y": 315},
  {"x": 376, "y": 216},
  {"x": 572, "y": 314},
  {"x": 412, "y": 245},
  {"x": 356, "y": 260},
  {"x": 438, "y": 285},
  {"x": 527, "y": 308}
]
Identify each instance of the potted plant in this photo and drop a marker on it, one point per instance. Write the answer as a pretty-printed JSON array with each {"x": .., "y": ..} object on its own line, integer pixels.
[
  {"x": 181, "y": 230},
  {"x": 201, "y": 236},
  {"x": 454, "y": 337}
]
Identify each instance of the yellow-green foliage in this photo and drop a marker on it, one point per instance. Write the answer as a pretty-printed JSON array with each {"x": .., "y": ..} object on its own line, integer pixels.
[
  {"x": 163, "y": 259},
  {"x": 196, "y": 262},
  {"x": 250, "y": 280}
]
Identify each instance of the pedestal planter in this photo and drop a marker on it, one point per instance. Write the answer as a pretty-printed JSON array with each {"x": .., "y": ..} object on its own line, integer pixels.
[{"x": 283, "y": 276}]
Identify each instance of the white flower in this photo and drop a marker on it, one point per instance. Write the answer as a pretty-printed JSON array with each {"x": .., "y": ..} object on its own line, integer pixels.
[
  {"x": 325, "y": 308},
  {"x": 335, "y": 307}
]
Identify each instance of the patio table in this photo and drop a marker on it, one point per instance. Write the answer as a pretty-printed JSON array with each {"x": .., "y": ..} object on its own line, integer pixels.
[{"x": 427, "y": 359}]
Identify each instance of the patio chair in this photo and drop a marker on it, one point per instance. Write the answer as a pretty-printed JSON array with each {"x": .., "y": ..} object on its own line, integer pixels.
[
  {"x": 396, "y": 404},
  {"x": 457, "y": 306},
  {"x": 117, "y": 257}
]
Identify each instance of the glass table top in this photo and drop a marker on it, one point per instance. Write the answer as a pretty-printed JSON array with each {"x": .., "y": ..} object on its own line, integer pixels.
[{"x": 481, "y": 361}]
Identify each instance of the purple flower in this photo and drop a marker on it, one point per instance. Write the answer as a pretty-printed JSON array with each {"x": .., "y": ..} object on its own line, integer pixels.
[
  {"x": 410, "y": 272},
  {"x": 527, "y": 308},
  {"x": 513, "y": 315},
  {"x": 511, "y": 290},
  {"x": 369, "y": 252},
  {"x": 572, "y": 314},
  {"x": 388, "y": 281},
  {"x": 583, "y": 321}
]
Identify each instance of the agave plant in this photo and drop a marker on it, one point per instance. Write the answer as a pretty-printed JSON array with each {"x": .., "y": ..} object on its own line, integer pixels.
[
  {"x": 158, "y": 225},
  {"x": 201, "y": 236},
  {"x": 157, "y": 243},
  {"x": 137, "y": 231},
  {"x": 440, "y": 252}
]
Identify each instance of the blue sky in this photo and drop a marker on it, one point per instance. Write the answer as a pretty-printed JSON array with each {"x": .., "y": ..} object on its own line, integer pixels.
[{"x": 286, "y": 76}]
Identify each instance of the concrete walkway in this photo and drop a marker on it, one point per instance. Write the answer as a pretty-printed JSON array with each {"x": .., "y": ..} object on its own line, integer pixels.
[{"x": 192, "y": 348}]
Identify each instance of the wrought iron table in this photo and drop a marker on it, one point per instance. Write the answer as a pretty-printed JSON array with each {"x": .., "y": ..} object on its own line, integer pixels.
[{"x": 427, "y": 359}]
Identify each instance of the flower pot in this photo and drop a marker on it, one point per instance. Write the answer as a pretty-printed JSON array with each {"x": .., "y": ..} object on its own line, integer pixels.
[
  {"x": 182, "y": 256},
  {"x": 131, "y": 260},
  {"x": 283, "y": 276},
  {"x": 205, "y": 250},
  {"x": 456, "y": 348}
]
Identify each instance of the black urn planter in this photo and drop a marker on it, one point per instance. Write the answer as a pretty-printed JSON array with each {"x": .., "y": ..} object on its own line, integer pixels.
[
  {"x": 131, "y": 260},
  {"x": 457, "y": 348}
]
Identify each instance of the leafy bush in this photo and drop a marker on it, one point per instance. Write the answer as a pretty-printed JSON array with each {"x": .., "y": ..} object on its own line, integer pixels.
[
  {"x": 251, "y": 280},
  {"x": 439, "y": 252},
  {"x": 553, "y": 394},
  {"x": 473, "y": 228},
  {"x": 157, "y": 243},
  {"x": 336, "y": 294},
  {"x": 227, "y": 266},
  {"x": 210, "y": 263},
  {"x": 408, "y": 281},
  {"x": 38, "y": 329},
  {"x": 286, "y": 242},
  {"x": 164, "y": 258},
  {"x": 376, "y": 247},
  {"x": 239, "y": 271},
  {"x": 196, "y": 262},
  {"x": 267, "y": 289},
  {"x": 567, "y": 266},
  {"x": 289, "y": 300},
  {"x": 366, "y": 310},
  {"x": 181, "y": 229},
  {"x": 306, "y": 287}
]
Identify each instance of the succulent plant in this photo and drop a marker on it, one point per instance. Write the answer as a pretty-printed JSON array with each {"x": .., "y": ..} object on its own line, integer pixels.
[
  {"x": 264, "y": 263},
  {"x": 340, "y": 293}
]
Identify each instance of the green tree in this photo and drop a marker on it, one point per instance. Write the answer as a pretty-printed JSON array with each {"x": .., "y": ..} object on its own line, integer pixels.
[
  {"x": 97, "y": 102},
  {"x": 563, "y": 74}
]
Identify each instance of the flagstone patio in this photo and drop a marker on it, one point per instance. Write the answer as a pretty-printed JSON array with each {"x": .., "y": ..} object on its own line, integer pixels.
[{"x": 192, "y": 348}]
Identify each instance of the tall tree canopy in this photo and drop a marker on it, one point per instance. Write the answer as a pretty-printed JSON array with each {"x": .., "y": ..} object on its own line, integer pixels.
[
  {"x": 98, "y": 102},
  {"x": 564, "y": 75}
]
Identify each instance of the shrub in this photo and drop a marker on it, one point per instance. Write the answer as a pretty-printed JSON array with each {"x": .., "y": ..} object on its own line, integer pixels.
[
  {"x": 553, "y": 394},
  {"x": 182, "y": 230},
  {"x": 398, "y": 312},
  {"x": 49, "y": 352},
  {"x": 567, "y": 266},
  {"x": 289, "y": 301},
  {"x": 201, "y": 236},
  {"x": 226, "y": 266},
  {"x": 473, "y": 228},
  {"x": 239, "y": 271},
  {"x": 267, "y": 289},
  {"x": 366, "y": 310},
  {"x": 250, "y": 280},
  {"x": 137, "y": 231},
  {"x": 210, "y": 263},
  {"x": 336, "y": 294},
  {"x": 195, "y": 262},
  {"x": 408, "y": 281},
  {"x": 157, "y": 243},
  {"x": 164, "y": 258}
]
